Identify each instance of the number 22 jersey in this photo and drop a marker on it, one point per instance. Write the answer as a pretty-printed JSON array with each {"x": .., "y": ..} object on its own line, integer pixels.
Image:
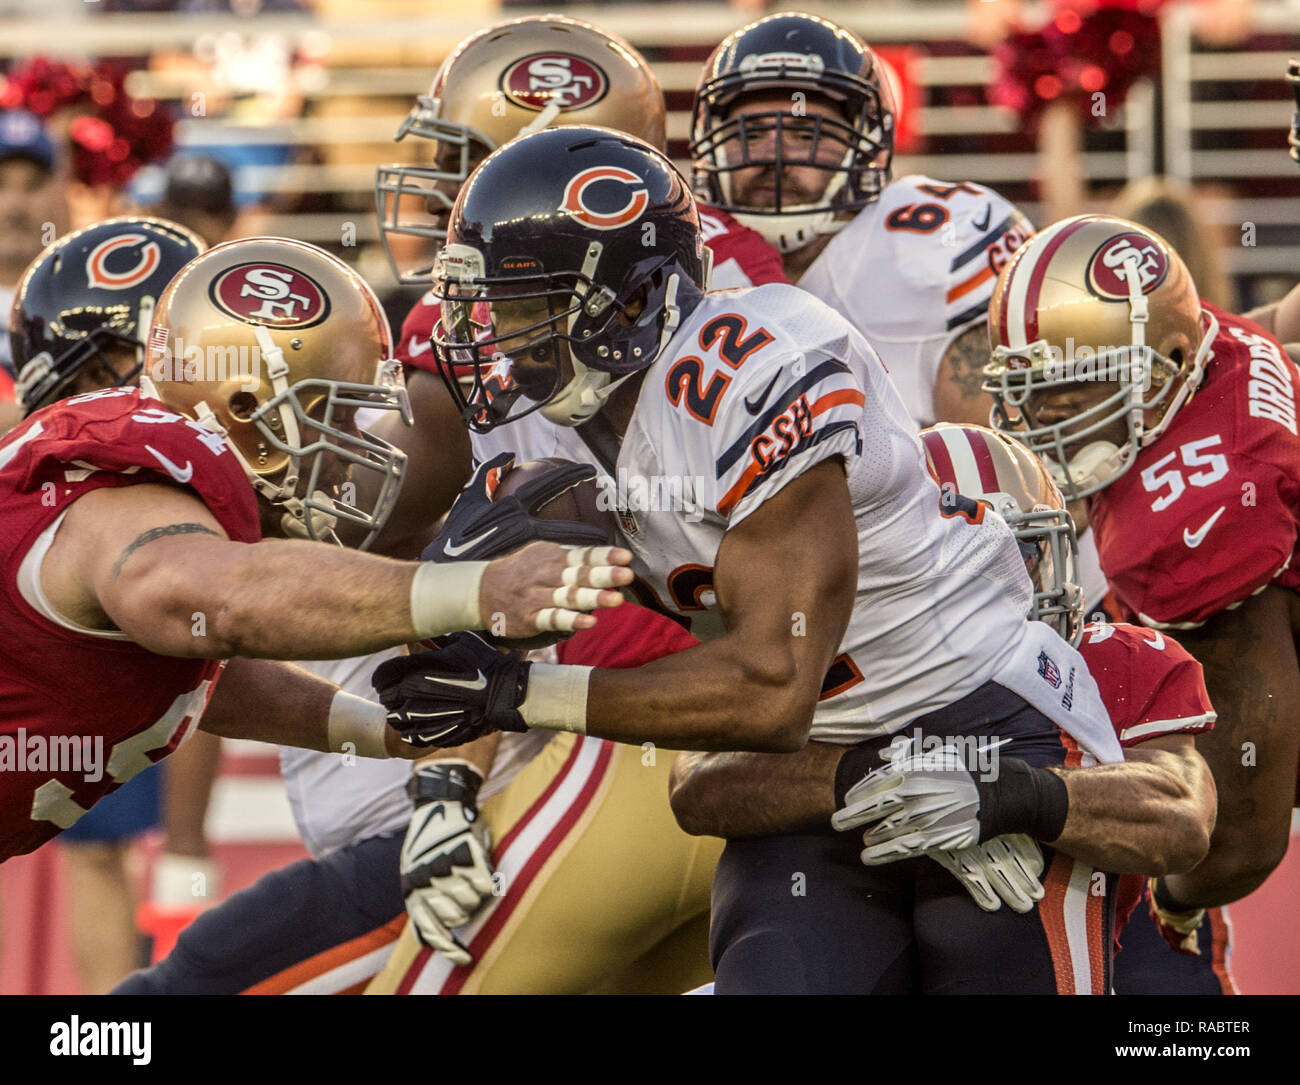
[{"x": 756, "y": 387}]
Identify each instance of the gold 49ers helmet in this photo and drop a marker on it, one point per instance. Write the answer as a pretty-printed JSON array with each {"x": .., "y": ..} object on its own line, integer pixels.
[
  {"x": 514, "y": 77},
  {"x": 1098, "y": 339},
  {"x": 276, "y": 345},
  {"x": 973, "y": 463}
]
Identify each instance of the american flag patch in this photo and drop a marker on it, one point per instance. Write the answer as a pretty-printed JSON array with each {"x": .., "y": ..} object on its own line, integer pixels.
[{"x": 158, "y": 340}]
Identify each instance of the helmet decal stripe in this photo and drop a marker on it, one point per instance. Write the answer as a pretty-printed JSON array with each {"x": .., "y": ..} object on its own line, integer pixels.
[
  {"x": 941, "y": 463},
  {"x": 1051, "y": 240},
  {"x": 983, "y": 461}
]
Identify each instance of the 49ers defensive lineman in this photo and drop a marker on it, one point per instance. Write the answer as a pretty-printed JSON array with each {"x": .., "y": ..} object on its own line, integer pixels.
[
  {"x": 755, "y": 403},
  {"x": 132, "y": 539},
  {"x": 1178, "y": 421}
]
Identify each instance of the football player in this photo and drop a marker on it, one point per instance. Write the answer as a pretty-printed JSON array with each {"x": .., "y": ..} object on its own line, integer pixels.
[
  {"x": 1151, "y": 814},
  {"x": 135, "y": 556},
  {"x": 556, "y": 809},
  {"x": 777, "y": 424},
  {"x": 1177, "y": 421},
  {"x": 793, "y": 134}
]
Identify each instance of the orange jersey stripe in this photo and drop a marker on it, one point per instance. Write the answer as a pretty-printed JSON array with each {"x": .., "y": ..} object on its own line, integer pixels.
[
  {"x": 964, "y": 288},
  {"x": 328, "y": 960},
  {"x": 1051, "y": 913}
]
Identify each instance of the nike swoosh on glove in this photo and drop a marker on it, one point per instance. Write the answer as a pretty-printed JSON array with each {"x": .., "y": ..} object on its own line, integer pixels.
[
  {"x": 446, "y": 862},
  {"x": 462, "y": 691},
  {"x": 479, "y": 528}
]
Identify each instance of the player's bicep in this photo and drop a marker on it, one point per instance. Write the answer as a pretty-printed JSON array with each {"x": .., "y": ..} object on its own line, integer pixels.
[
  {"x": 142, "y": 554},
  {"x": 786, "y": 576}
]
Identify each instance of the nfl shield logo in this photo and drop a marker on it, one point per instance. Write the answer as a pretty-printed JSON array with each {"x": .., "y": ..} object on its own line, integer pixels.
[{"x": 1049, "y": 670}]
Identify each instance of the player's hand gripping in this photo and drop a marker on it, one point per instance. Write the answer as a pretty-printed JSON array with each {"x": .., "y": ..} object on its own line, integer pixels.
[
  {"x": 929, "y": 803},
  {"x": 446, "y": 859},
  {"x": 463, "y": 690},
  {"x": 479, "y": 527}
]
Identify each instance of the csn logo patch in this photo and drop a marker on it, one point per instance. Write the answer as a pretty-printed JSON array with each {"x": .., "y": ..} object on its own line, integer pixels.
[
  {"x": 270, "y": 294},
  {"x": 606, "y": 197},
  {"x": 544, "y": 78},
  {"x": 1108, "y": 269},
  {"x": 122, "y": 262}
]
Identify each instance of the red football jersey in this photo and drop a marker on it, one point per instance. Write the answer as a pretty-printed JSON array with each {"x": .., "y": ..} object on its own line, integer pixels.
[
  {"x": 1208, "y": 514},
  {"x": 66, "y": 693},
  {"x": 740, "y": 258},
  {"x": 1151, "y": 687},
  {"x": 627, "y": 636}
]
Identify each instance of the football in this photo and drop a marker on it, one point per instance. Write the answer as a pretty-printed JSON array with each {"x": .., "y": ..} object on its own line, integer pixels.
[{"x": 579, "y": 503}]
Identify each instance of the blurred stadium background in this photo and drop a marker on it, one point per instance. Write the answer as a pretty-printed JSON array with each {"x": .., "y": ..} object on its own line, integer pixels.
[{"x": 301, "y": 98}]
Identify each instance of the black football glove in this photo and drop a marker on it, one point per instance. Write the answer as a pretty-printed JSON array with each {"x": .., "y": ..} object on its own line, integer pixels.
[
  {"x": 462, "y": 691},
  {"x": 479, "y": 528},
  {"x": 1293, "y": 139}
]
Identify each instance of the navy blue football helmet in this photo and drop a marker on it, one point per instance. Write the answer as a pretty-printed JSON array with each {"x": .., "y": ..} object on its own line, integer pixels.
[
  {"x": 87, "y": 291},
  {"x": 572, "y": 254}
]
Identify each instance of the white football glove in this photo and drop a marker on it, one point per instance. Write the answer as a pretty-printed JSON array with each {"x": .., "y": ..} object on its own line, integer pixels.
[
  {"x": 446, "y": 859},
  {"x": 916, "y": 803},
  {"x": 1006, "y": 868}
]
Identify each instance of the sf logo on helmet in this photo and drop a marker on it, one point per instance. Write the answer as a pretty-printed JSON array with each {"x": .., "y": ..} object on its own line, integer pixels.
[
  {"x": 101, "y": 277},
  {"x": 605, "y": 197},
  {"x": 1108, "y": 268},
  {"x": 538, "y": 80},
  {"x": 270, "y": 294}
]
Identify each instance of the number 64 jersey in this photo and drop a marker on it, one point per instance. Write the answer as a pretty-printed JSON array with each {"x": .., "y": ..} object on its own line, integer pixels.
[
  {"x": 756, "y": 387},
  {"x": 1207, "y": 515}
]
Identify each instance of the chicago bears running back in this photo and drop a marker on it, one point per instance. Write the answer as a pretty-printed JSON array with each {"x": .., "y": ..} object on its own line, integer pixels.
[{"x": 743, "y": 401}]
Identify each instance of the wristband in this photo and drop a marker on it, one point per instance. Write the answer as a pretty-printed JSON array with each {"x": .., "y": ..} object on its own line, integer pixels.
[
  {"x": 456, "y": 780},
  {"x": 357, "y": 723},
  {"x": 1023, "y": 799},
  {"x": 557, "y": 697},
  {"x": 855, "y": 763},
  {"x": 444, "y": 598}
]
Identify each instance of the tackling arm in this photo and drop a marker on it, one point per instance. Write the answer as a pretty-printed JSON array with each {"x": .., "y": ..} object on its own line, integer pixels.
[
  {"x": 1152, "y": 814},
  {"x": 152, "y": 561}
]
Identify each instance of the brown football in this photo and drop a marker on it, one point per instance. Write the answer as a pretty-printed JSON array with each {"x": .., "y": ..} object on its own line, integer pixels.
[{"x": 577, "y": 503}]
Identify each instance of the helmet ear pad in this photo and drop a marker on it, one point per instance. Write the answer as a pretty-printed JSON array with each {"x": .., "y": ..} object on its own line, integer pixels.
[{"x": 628, "y": 334}]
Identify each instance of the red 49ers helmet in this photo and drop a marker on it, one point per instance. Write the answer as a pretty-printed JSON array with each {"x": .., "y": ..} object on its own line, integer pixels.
[
  {"x": 984, "y": 465},
  {"x": 1094, "y": 302},
  {"x": 276, "y": 346}
]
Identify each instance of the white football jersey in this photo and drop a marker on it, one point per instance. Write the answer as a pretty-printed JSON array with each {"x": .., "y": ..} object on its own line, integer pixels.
[
  {"x": 914, "y": 270},
  {"x": 756, "y": 387}
]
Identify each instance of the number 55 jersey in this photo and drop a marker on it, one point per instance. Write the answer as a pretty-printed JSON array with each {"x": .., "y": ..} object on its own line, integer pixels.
[
  {"x": 1207, "y": 515},
  {"x": 756, "y": 387}
]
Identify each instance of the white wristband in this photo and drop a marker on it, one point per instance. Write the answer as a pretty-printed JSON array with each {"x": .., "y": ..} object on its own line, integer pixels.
[
  {"x": 444, "y": 598},
  {"x": 557, "y": 698},
  {"x": 357, "y": 726}
]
